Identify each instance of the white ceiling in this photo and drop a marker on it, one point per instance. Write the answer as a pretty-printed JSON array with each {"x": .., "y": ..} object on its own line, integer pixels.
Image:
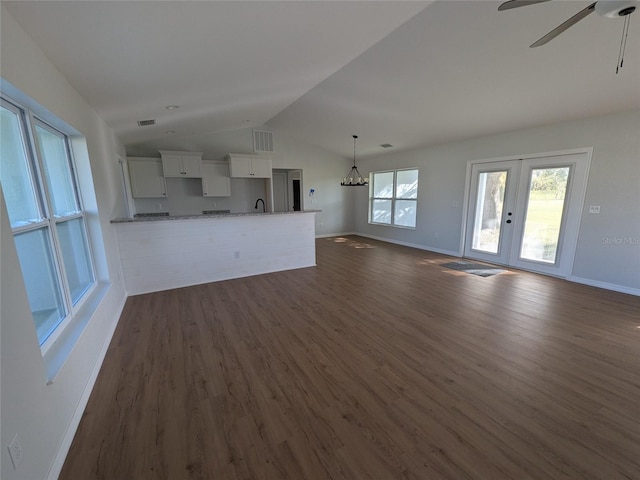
[{"x": 407, "y": 73}]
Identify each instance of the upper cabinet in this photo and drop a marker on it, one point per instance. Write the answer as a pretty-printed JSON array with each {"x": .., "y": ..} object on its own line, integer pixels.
[
  {"x": 181, "y": 164},
  {"x": 147, "y": 179},
  {"x": 215, "y": 180},
  {"x": 249, "y": 166}
]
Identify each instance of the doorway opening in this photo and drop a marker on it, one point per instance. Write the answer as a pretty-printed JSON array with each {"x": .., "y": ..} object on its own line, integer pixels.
[{"x": 287, "y": 190}]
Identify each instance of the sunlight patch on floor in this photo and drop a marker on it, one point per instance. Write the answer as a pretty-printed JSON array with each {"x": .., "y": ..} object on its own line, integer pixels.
[
  {"x": 427, "y": 261},
  {"x": 351, "y": 243}
]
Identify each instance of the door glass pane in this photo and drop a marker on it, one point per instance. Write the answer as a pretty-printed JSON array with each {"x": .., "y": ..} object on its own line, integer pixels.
[
  {"x": 405, "y": 213},
  {"x": 75, "y": 254},
  {"x": 39, "y": 272},
  {"x": 57, "y": 172},
  {"x": 383, "y": 185},
  {"x": 543, "y": 218},
  {"x": 15, "y": 174},
  {"x": 488, "y": 214},
  {"x": 407, "y": 184},
  {"x": 381, "y": 211}
]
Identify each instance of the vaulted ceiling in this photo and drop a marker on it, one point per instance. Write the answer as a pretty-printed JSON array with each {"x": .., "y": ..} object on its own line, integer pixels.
[{"x": 406, "y": 73}]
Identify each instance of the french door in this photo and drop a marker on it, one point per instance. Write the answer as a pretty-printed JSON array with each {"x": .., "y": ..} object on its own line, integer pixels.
[{"x": 526, "y": 213}]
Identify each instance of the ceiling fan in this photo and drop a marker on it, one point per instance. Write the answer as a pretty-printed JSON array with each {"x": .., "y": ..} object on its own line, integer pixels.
[{"x": 605, "y": 8}]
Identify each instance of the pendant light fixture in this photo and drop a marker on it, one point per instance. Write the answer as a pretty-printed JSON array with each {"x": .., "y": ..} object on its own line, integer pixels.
[{"x": 353, "y": 178}]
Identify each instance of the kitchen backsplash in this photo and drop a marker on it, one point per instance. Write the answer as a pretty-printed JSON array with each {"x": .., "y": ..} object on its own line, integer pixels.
[{"x": 184, "y": 197}]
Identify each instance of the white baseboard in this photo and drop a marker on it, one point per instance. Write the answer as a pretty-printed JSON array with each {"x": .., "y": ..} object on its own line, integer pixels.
[
  {"x": 74, "y": 423},
  {"x": 329, "y": 235},
  {"x": 412, "y": 245},
  {"x": 605, "y": 285}
]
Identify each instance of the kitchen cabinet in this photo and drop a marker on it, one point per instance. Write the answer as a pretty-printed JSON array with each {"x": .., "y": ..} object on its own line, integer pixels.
[
  {"x": 181, "y": 164},
  {"x": 147, "y": 178},
  {"x": 215, "y": 180},
  {"x": 249, "y": 166}
]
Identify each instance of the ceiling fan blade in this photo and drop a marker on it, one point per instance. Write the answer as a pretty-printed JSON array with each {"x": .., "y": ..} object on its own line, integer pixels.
[
  {"x": 518, "y": 3},
  {"x": 564, "y": 26}
]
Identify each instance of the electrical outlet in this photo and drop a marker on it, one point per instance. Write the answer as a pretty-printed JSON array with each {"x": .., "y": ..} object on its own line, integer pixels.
[
  {"x": 594, "y": 208},
  {"x": 15, "y": 451},
  {"x": 236, "y": 254}
]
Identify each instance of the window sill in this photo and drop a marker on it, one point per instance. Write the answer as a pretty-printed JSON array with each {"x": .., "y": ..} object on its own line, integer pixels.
[
  {"x": 56, "y": 355},
  {"x": 393, "y": 226}
]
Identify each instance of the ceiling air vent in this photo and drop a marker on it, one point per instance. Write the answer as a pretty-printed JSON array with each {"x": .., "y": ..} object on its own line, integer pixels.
[
  {"x": 386, "y": 145},
  {"x": 146, "y": 123},
  {"x": 262, "y": 141}
]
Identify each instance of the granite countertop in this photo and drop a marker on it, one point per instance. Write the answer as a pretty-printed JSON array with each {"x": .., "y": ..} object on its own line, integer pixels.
[{"x": 164, "y": 218}]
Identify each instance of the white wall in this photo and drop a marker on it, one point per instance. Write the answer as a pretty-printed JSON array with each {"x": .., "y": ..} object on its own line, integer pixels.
[
  {"x": 614, "y": 184},
  {"x": 322, "y": 171},
  {"x": 44, "y": 416}
]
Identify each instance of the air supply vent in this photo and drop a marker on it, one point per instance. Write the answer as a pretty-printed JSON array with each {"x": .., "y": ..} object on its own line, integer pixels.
[
  {"x": 386, "y": 145},
  {"x": 262, "y": 141},
  {"x": 146, "y": 123}
]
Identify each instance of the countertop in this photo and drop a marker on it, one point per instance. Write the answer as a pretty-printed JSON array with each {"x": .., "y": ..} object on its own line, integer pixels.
[{"x": 166, "y": 218}]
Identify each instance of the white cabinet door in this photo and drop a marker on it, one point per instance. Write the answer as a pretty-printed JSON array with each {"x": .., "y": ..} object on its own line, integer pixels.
[
  {"x": 172, "y": 166},
  {"x": 181, "y": 164},
  {"x": 191, "y": 165},
  {"x": 240, "y": 167},
  {"x": 248, "y": 166},
  {"x": 147, "y": 179},
  {"x": 261, "y": 168},
  {"x": 215, "y": 180}
]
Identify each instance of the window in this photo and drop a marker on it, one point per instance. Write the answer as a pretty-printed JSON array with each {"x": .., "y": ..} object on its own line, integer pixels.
[
  {"x": 394, "y": 198},
  {"x": 46, "y": 216}
]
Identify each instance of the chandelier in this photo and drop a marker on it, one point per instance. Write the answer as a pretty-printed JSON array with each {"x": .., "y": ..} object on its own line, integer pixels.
[{"x": 353, "y": 178}]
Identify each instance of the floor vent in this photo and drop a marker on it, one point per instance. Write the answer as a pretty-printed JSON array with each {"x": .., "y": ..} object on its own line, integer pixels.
[
  {"x": 262, "y": 141},
  {"x": 145, "y": 123}
]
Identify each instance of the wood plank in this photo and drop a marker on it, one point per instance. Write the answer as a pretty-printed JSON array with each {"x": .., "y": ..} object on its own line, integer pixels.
[{"x": 377, "y": 363}]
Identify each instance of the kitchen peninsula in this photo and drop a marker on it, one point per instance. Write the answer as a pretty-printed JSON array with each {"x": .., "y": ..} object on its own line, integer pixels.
[{"x": 161, "y": 253}]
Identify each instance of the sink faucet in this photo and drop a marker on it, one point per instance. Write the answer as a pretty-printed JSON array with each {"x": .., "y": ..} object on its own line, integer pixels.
[{"x": 263, "y": 207}]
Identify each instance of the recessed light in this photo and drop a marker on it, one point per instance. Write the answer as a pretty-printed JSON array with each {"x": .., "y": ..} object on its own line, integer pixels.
[
  {"x": 170, "y": 132},
  {"x": 172, "y": 107}
]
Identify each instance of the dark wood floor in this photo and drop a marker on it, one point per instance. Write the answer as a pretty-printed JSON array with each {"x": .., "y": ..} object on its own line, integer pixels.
[{"x": 376, "y": 364}]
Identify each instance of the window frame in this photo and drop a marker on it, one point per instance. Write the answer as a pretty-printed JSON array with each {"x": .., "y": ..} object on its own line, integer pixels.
[
  {"x": 394, "y": 197},
  {"x": 48, "y": 221}
]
